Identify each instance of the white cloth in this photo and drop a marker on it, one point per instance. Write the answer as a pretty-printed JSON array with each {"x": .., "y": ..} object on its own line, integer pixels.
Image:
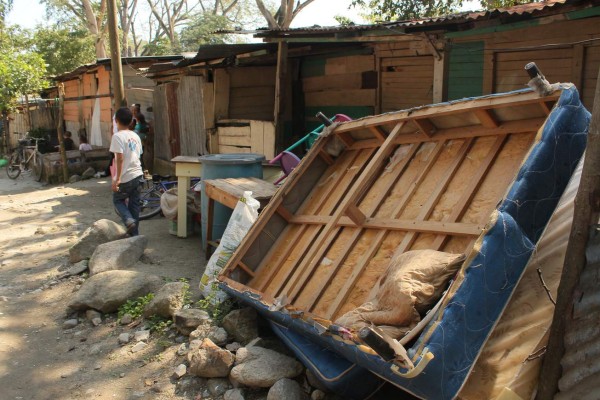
[
  {"x": 128, "y": 143},
  {"x": 85, "y": 147}
]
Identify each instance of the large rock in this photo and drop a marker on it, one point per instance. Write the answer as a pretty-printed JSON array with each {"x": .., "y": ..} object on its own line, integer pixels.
[
  {"x": 118, "y": 254},
  {"x": 210, "y": 361},
  {"x": 88, "y": 173},
  {"x": 106, "y": 291},
  {"x": 216, "y": 334},
  {"x": 187, "y": 320},
  {"x": 286, "y": 389},
  {"x": 101, "y": 231},
  {"x": 241, "y": 324},
  {"x": 167, "y": 300},
  {"x": 259, "y": 367}
]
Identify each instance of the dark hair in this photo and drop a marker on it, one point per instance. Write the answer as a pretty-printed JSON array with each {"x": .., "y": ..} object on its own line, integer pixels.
[
  {"x": 141, "y": 119},
  {"x": 82, "y": 138},
  {"x": 68, "y": 134},
  {"x": 124, "y": 116}
]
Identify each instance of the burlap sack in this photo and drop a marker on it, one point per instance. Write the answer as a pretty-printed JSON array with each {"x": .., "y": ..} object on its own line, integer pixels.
[{"x": 412, "y": 284}]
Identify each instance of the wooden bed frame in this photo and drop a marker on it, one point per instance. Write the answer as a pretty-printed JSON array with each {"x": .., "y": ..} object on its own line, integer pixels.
[{"x": 426, "y": 178}]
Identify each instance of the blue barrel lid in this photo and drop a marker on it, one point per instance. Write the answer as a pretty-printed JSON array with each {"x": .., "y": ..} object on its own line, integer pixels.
[{"x": 232, "y": 158}]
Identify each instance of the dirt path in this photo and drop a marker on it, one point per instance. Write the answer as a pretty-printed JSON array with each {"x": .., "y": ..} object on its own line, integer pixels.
[{"x": 38, "y": 358}]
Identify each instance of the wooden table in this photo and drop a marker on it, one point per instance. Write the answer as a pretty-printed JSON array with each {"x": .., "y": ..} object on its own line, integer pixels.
[
  {"x": 186, "y": 167},
  {"x": 228, "y": 191}
]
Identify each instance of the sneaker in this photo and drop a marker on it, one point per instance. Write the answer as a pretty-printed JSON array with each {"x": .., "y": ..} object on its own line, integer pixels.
[{"x": 130, "y": 227}]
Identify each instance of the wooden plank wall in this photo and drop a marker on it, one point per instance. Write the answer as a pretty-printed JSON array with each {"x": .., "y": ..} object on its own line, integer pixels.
[
  {"x": 562, "y": 49},
  {"x": 338, "y": 85},
  {"x": 406, "y": 71},
  {"x": 251, "y": 93},
  {"x": 161, "y": 124},
  {"x": 191, "y": 116}
]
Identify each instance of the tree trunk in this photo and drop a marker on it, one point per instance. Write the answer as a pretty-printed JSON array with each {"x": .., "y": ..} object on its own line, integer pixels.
[
  {"x": 116, "y": 72},
  {"x": 92, "y": 26},
  {"x": 587, "y": 207}
]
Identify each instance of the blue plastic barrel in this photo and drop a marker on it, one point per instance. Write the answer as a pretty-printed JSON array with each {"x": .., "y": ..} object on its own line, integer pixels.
[{"x": 217, "y": 166}]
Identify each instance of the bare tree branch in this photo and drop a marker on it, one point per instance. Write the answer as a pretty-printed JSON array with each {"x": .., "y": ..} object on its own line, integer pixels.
[{"x": 270, "y": 19}]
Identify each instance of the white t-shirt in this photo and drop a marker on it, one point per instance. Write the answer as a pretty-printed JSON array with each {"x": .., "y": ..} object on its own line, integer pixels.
[
  {"x": 85, "y": 147},
  {"x": 128, "y": 143}
]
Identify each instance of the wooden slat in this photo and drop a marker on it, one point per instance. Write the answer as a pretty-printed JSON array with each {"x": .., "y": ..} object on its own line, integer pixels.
[
  {"x": 510, "y": 127},
  {"x": 427, "y": 208},
  {"x": 378, "y": 132},
  {"x": 407, "y": 225},
  {"x": 400, "y": 206},
  {"x": 486, "y": 118},
  {"x": 345, "y": 180},
  {"x": 351, "y": 242},
  {"x": 459, "y": 209},
  {"x": 327, "y": 235},
  {"x": 425, "y": 126},
  {"x": 444, "y": 109},
  {"x": 245, "y": 268},
  {"x": 355, "y": 215},
  {"x": 278, "y": 262}
]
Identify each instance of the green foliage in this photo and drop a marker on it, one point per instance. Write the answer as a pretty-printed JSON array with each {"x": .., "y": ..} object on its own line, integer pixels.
[
  {"x": 394, "y": 10},
  {"x": 343, "y": 21},
  {"x": 158, "y": 324},
  {"x": 199, "y": 31},
  {"x": 134, "y": 307},
  {"x": 187, "y": 293},
  {"x": 213, "y": 307},
  {"x": 5, "y": 7},
  {"x": 63, "y": 49},
  {"x": 22, "y": 71}
]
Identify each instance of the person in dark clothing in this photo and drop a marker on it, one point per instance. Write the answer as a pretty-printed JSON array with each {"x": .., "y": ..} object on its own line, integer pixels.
[{"x": 68, "y": 142}]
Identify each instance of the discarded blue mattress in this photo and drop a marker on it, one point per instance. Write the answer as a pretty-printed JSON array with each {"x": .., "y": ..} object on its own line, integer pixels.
[{"x": 298, "y": 268}]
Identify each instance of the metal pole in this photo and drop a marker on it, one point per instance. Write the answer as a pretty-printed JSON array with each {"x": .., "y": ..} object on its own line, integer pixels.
[{"x": 115, "y": 57}]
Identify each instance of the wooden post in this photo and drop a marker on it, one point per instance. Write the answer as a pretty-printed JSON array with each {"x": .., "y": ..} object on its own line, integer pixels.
[
  {"x": 116, "y": 72},
  {"x": 587, "y": 207},
  {"x": 280, "y": 79},
  {"x": 27, "y": 115},
  {"x": 60, "y": 130}
]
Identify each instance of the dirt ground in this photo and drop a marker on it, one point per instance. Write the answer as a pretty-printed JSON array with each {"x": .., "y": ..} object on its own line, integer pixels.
[{"x": 38, "y": 358}]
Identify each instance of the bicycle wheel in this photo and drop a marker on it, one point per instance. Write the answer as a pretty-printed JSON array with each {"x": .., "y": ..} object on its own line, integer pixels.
[
  {"x": 38, "y": 167},
  {"x": 149, "y": 203},
  {"x": 13, "y": 169}
]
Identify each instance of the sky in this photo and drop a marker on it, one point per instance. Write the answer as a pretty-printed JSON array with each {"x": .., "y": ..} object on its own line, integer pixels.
[{"x": 29, "y": 13}]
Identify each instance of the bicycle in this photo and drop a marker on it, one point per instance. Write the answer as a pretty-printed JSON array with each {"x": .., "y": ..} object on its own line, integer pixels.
[
  {"x": 150, "y": 196},
  {"x": 19, "y": 161}
]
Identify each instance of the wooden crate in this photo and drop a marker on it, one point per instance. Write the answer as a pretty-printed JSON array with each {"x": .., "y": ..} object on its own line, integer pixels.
[{"x": 246, "y": 136}]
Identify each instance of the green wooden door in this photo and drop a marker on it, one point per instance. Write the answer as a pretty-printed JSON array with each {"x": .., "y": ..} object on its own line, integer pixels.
[{"x": 465, "y": 70}]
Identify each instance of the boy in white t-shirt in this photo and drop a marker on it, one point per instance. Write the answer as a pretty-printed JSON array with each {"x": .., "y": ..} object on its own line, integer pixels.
[{"x": 127, "y": 148}]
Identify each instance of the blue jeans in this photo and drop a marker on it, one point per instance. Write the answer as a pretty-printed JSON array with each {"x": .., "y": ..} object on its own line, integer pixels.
[{"x": 127, "y": 203}]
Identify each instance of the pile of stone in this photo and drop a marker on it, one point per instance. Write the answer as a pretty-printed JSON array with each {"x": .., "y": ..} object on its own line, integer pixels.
[{"x": 230, "y": 361}]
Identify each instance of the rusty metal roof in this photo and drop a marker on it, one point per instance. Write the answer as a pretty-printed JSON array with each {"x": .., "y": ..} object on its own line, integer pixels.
[
  {"x": 106, "y": 61},
  {"x": 521, "y": 11}
]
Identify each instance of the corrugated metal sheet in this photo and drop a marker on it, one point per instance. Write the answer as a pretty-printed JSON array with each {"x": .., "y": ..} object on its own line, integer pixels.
[
  {"x": 581, "y": 361},
  {"x": 525, "y": 10},
  {"x": 106, "y": 61}
]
